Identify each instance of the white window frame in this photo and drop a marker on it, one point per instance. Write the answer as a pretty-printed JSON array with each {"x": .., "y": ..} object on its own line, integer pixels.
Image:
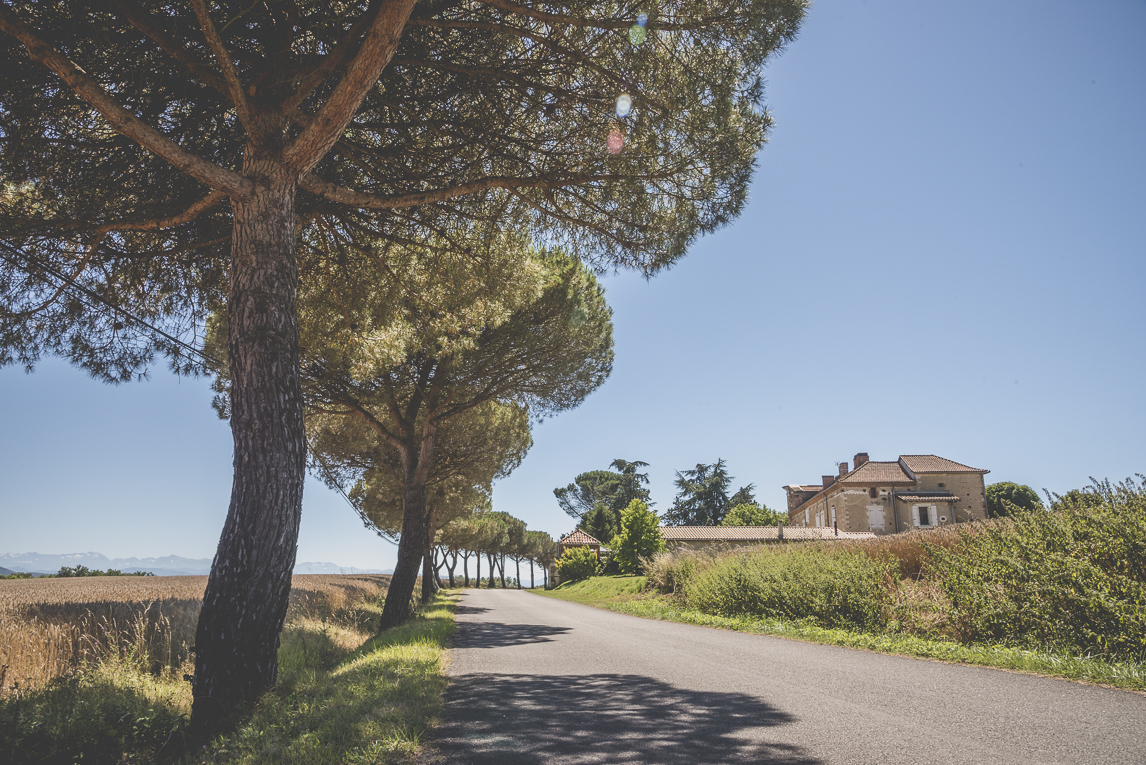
[{"x": 932, "y": 516}]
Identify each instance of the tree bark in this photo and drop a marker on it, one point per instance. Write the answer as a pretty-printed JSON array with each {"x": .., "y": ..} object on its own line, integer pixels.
[
  {"x": 412, "y": 542},
  {"x": 237, "y": 638},
  {"x": 517, "y": 570},
  {"x": 501, "y": 568},
  {"x": 466, "y": 567}
]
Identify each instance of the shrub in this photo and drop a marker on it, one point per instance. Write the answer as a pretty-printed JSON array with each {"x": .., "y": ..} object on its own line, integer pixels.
[
  {"x": 577, "y": 563},
  {"x": 1072, "y": 579},
  {"x": 670, "y": 571},
  {"x": 831, "y": 588},
  {"x": 640, "y": 537}
]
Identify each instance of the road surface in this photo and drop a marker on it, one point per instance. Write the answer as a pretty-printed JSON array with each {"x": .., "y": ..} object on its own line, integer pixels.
[{"x": 536, "y": 680}]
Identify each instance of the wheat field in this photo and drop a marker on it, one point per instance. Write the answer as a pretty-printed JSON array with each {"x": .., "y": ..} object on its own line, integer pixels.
[{"x": 50, "y": 627}]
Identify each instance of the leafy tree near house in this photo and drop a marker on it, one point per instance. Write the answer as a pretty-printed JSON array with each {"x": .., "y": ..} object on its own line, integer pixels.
[
  {"x": 752, "y": 514},
  {"x": 1005, "y": 499},
  {"x": 640, "y": 537},
  {"x": 189, "y": 148},
  {"x": 596, "y": 498},
  {"x": 702, "y": 496}
]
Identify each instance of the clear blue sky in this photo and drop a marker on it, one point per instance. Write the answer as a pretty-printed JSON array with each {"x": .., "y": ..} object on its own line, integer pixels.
[{"x": 943, "y": 253}]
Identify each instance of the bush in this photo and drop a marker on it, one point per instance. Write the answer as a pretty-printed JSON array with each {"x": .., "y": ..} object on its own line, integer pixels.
[
  {"x": 669, "y": 572},
  {"x": 829, "y": 587},
  {"x": 607, "y": 564},
  {"x": 577, "y": 563},
  {"x": 1073, "y": 579},
  {"x": 639, "y": 539}
]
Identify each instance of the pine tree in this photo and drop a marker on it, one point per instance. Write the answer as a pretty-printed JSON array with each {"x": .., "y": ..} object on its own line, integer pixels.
[{"x": 159, "y": 166}]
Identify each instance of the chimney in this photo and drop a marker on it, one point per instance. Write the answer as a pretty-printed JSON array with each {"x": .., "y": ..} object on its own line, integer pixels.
[
  {"x": 843, "y": 469},
  {"x": 828, "y": 480},
  {"x": 860, "y": 459}
]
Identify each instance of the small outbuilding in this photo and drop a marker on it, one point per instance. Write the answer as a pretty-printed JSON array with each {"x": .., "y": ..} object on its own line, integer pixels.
[{"x": 578, "y": 539}]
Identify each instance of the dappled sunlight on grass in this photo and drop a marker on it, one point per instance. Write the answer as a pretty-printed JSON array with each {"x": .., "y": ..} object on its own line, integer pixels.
[{"x": 340, "y": 703}]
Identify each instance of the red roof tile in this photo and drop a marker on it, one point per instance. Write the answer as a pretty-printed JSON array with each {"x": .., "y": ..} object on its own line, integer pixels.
[
  {"x": 929, "y": 463},
  {"x": 578, "y": 537},
  {"x": 877, "y": 472}
]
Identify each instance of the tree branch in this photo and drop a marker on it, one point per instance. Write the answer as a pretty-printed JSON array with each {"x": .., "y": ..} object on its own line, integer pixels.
[
  {"x": 158, "y": 224},
  {"x": 315, "y": 140},
  {"x": 146, "y": 25},
  {"x": 321, "y": 70},
  {"x": 577, "y": 21},
  {"x": 63, "y": 285},
  {"x": 120, "y": 118},
  {"x": 230, "y": 74},
  {"x": 343, "y": 195}
]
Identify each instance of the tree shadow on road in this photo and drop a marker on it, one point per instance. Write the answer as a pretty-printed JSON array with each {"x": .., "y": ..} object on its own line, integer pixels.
[
  {"x": 499, "y": 635},
  {"x": 510, "y": 719},
  {"x": 472, "y": 610}
]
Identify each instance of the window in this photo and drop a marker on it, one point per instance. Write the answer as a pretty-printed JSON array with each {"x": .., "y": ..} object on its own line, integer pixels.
[
  {"x": 873, "y": 492},
  {"x": 923, "y": 515},
  {"x": 942, "y": 486}
]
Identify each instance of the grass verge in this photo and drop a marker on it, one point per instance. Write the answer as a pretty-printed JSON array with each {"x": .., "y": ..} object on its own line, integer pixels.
[
  {"x": 623, "y": 594},
  {"x": 343, "y": 696}
]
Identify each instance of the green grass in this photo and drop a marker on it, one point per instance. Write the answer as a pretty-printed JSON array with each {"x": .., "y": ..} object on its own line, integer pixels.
[
  {"x": 623, "y": 594},
  {"x": 342, "y": 697},
  {"x": 598, "y": 590}
]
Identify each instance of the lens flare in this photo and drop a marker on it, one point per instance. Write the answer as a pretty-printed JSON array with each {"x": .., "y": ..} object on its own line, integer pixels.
[
  {"x": 636, "y": 34},
  {"x": 642, "y": 19},
  {"x": 624, "y": 105},
  {"x": 616, "y": 141}
]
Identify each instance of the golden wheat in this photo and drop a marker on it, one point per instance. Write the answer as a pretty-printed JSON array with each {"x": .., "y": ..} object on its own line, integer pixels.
[{"x": 49, "y": 627}]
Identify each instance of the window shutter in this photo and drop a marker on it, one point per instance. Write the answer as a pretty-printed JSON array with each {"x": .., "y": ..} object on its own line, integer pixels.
[{"x": 915, "y": 514}]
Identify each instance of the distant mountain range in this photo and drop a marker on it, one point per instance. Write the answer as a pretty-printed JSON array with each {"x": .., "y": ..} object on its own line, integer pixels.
[{"x": 169, "y": 565}]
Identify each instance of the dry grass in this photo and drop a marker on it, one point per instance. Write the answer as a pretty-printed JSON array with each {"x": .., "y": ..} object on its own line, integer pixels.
[{"x": 50, "y": 627}]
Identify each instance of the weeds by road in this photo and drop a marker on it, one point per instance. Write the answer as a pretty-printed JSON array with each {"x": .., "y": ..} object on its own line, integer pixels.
[{"x": 624, "y": 594}]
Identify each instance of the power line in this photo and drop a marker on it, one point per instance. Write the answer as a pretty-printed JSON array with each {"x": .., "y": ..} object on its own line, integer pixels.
[{"x": 70, "y": 282}]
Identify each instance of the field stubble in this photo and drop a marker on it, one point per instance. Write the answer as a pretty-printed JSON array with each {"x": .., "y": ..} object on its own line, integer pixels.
[{"x": 50, "y": 628}]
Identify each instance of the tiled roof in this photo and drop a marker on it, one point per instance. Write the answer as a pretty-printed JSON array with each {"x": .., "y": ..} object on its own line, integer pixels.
[
  {"x": 929, "y": 463},
  {"x": 877, "y": 472},
  {"x": 928, "y": 496},
  {"x": 751, "y": 533},
  {"x": 578, "y": 537}
]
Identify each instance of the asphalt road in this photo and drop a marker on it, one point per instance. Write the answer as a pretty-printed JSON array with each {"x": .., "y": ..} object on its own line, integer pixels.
[{"x": 536, "y": 680}]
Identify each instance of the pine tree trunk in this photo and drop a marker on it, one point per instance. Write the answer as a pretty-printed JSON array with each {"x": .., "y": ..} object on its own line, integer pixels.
[
  {"x": 466, "y": 567},
  {"x": 429, "y": 574},
  {"x": 411, "y": 544},
  {"x": 501, "y": 568},
  {"x": 532, "y": 586},
  {"x": 517, "y": 569},
  {"x": 237, "y": 639},
  {"x": 478, "y": 584}
]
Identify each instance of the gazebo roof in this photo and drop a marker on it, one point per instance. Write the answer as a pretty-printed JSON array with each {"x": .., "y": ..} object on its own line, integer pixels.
[{"x": 578, "y": 537}]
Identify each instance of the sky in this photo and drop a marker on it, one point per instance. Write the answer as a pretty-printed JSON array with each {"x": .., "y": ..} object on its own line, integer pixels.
[{"x": 943, "y": 253}]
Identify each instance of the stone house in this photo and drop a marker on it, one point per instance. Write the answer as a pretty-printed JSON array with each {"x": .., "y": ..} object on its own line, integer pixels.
[{"x": 917, "y": 491}]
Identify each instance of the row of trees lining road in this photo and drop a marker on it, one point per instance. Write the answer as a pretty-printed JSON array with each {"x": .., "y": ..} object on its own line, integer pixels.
[
  {"x": 498, "y": 536},
  {"x": 598, "y": 498},
  {"x": 161, "y": 167}
]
